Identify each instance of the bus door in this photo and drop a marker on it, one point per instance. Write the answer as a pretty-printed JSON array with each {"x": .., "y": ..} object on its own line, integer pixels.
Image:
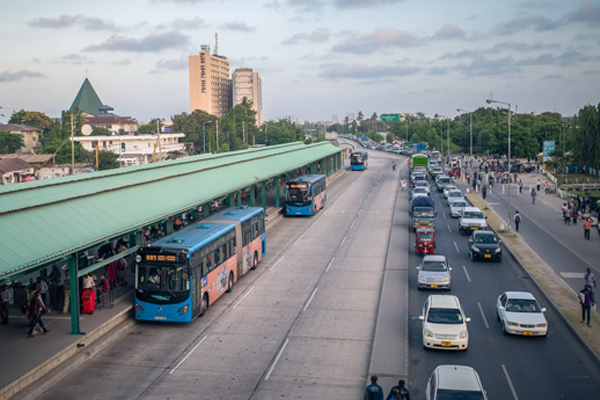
[{"x": 238, "y": 245}]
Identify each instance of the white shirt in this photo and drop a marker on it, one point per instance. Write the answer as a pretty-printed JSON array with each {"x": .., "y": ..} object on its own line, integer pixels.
[{"x": 4, "y": 296}]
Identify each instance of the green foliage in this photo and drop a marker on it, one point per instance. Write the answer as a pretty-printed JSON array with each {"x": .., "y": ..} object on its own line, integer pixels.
[
  {"x": 278, "y": 132},
  {"x": 10, "y": 142},
  {"x": 586, "y": 128},
  {"x": 106, "y": 160},
  {"x": 31, "y": 118},
  {"x": 100, "y": 131},
  {"x": 150, "y": 127},
  {"x": 389, "y": 138}
]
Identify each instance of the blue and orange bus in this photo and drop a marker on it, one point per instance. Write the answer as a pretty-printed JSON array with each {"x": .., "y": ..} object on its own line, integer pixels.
[
  {"x": 179, "y": 276},
  {"x": 359, "y": 160},
  {"x": 305, "y": 195}
]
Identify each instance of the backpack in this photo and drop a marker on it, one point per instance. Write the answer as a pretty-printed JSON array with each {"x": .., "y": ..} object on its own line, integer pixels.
[{"x": 518, "y": 218}]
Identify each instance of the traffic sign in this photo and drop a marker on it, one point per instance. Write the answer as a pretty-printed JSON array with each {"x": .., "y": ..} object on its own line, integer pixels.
[{"x": 391, "y": 117}]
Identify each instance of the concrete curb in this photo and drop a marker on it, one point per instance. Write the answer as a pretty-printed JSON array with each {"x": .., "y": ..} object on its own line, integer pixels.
[{"x": 72, "y": 350}]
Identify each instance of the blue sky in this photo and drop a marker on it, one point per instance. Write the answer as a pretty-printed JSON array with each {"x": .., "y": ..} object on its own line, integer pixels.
[{"x": 316, "y": 58}]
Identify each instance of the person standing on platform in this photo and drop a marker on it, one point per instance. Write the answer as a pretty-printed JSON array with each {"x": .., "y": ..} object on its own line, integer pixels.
[
  {"x": 67, "y": 293},
  {"x": 4, "y": 300},
  {"x": 373, "y": 391}
]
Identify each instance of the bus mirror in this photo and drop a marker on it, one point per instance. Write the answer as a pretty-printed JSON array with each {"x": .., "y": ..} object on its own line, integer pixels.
[{"x": 312, "y": 190}]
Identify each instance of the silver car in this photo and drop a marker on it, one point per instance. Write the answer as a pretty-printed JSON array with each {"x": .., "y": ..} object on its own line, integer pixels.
[
  {"x": 456, "y": 207},
  {"x": 434, "y": 273},
  {"x": 454, "y": 195}
]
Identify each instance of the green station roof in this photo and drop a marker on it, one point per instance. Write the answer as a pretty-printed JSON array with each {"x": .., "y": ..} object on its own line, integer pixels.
[{"x": 46, "y": 220}]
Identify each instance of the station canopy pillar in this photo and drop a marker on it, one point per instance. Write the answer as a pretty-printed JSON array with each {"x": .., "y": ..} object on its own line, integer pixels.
[
  {"x": 263, "y": 198},
  {"x": 252, "y": 195},
  {"x": 231, "y": 199},
  {"x": 239, "y": 198},
  {"x": 168, "y": 224},
  {"x": 276, "y": 179},
  {"x": 74, "y": 294}
]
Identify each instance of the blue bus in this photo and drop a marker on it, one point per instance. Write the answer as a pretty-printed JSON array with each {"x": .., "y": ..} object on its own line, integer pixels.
[
  {"x": 305, "y": 195},
  {"x": 359, "y": 160},
  {"x": 180, "y": 275}
]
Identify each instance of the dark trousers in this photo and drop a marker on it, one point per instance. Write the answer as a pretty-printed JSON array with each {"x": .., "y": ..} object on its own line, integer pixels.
[
  {"x": 4, "y": 312},
  {"x": 35, "y": 320},
  {"x": 585, "y": 310},
  {"x": 517, "y": 225},
  {"x": 586, "y": 234}
]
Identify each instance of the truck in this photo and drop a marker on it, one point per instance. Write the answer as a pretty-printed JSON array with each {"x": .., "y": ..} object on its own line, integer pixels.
[
  {"x": 419, "y": 162},
  {"x": 422, "y": 213}
]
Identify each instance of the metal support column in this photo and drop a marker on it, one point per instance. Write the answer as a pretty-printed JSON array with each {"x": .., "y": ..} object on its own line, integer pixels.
[
  {"x": 231, "y": 200},
  {"x": 74, "y": 294},
  {"x": 252, "y": 195},
  {"x": 205, "y": 210},
  {"x": 276, "y": 179},
  {"x": 168, "y": 224},
  {"x": 263, "y": 197},
  {"x": 239, "y": 198}
]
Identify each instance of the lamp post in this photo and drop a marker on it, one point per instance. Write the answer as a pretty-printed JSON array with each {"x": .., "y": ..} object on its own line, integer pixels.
[
  {"x": 490, "y": 101},
  {"x": 204, "y": 136},
  {"x": 470, "y": 129}
]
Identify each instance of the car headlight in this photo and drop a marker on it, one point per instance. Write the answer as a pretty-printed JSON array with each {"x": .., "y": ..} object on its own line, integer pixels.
[
  {"x": 475, "y": 248},
  {"x": 427, "y": 333},
  {"x": 512, "y": 323},
  {"x": 463, "y": 335},
  {"x": 422, "y": 278},
  {"x": 483, "y": 225},
  {"x": 541, "y": 325},
  {"x": 463, "y": 223},
  {"x": 498, "y": 250},
  {"x": 445, "y": 279}
]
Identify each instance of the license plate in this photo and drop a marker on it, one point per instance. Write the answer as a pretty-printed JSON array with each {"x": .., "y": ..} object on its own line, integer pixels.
[
  {"x": 473, "y": 228},
  {"x": 527, "y": 333},
  {"x": 487, "y": 255},
  {"x": 434, "y": 285},
  {"x": 446, "y": 344}
]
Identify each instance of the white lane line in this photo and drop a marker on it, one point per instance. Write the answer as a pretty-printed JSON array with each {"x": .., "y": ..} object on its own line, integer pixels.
[
  {"x": 329, "y": 265},
  {"x": 243, "y": 297},
  {"x": 467, "y": 274},
  {"x": 370, "y": 194},
  {"x": 353, "y": 222},
  {"x": 365, "y": 202},
  {"x": 444, "y": 214},
  {"x": 277, "y": 262},
  {"x": 483, "y": 315},
  {"x": 572, "y": 275},
  {"x": 297, "y": 240},
  {"x": 359, "y": 211},
  {"x": 310, "y": 299},
  {"x": 314, "y": 223},
  {"x": 449, "y": 229},
  {"x": 456, "y": 247},
  {"x": 343, "y": 240},
  {"x": 276, "y": 359},
  {"x": 187, "y": 355},
  {"x": 512, "y": 388}
]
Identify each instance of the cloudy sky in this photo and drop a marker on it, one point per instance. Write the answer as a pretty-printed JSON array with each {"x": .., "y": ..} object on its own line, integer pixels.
[{"x": 316, "y": 58}]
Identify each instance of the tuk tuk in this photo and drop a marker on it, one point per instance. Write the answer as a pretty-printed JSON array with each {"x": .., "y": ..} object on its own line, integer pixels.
[{"x": 425, "y": 241}]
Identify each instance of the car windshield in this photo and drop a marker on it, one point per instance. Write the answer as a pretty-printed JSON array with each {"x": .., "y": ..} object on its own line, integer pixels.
[
  {"x": 445, "y": 394},
  {"x": 426, "y": 237},
  {"x": 486, "y": 239},
  {"x": 522, "y": 305},
  {"x": 455, "y": 193},
  {"x": 420, "y": 189},
  {"x": 459, "y": 204},
  {"x": 422, "y": 183},
  {"x": 434, "y": 266},
  {"x": 445, "y": 180},
  {"x": 444, "y": 316},
  {"x": 473, "y": 214},
  {"x": 449, "y": 188}
]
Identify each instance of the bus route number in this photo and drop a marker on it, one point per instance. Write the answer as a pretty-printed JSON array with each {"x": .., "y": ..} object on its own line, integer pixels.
[{"x": 160, "y": 257}]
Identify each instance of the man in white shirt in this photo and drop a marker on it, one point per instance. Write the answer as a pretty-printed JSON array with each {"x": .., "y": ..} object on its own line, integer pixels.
[{"x": 4, "y": 299}]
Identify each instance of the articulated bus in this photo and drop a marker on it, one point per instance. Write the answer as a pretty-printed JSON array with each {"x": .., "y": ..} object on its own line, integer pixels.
[
  {"x": 359, "y": 160},
  {"x": 179, "y": 276},
  {"x": 305, "y": 195}
]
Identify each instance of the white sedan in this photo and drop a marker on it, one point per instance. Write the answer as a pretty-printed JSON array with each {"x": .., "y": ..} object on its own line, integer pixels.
[
  {"x": 448, "y": 189},
  {"x": 520, "y": 314}
]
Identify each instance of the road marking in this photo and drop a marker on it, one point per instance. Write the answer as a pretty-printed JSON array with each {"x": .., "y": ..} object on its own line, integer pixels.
[
  {"x": 483, "y": 315},
  {"x": 359, "y": 211},
  {"x": 277, "y": 262},
  {"x": 276, "y": 359},
  {"x": 370, "y": 194},
  {"x": 444, "y": 214},
  {"x": 314, "y": 223},
  {"x": 188, "y": 354},
  {"x": 456, "y": 247},
  {"x": 512, "y": 388},
  {"x": 493, "y": 204},
  {"x": 297, "y": 240},
  {"x": 329, "y": 265},
  {"x": 243, "y": 297},
  {"x": 351, "y": 225},
  {"x": 572, "y": 275},
  {"x": 467, "y": 274},
  {"x": 449, "y": 229},
  {"x": 365, "y": 202},
  {"x": 310, "y": 299},
  {"x": 343, "y": 240}
]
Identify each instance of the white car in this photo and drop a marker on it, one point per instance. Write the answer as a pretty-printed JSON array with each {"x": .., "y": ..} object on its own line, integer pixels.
[
  {"x": 447, "y": 189},
  {"x": 520, "y": 314},
  {"x": 419, "y": 191},
  {"x": 471, "y": 218},
  {"x": 454, "y": 195},
  {"x": 424, "y": 184},
  {"x": 444, "y": 323},
  {"x": 454, "y": 382},
  {"x": 456, "y": 207},
  {"x": 434, "y": 273}
]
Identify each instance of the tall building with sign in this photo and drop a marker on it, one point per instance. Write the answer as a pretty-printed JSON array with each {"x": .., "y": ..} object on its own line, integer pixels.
[
  {"x": 209, "y": 82},
  {"x": 246, "y": 83}
]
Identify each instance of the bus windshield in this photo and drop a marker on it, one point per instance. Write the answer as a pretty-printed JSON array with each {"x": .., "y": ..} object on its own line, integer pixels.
[
  {"x": 356, "y": 158},
  {"x": 163, "y": 281},
  {"x": 298, "y": 195}
]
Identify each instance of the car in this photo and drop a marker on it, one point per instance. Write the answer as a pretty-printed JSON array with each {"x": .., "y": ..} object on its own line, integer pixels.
[
  {"x": 454, "y": 195},
  {"x": 417, "y": 177},
  {"x": 456, "y": 207},
  {"x": 454, "y": 382},
  {"x": 448, "y": 188},
  {"x": 424, "y": 184},
  {"x": 519, "y": 313},
  {"x": 434, "y": 273},
  {"x": 485, "y": 245},
  {"x": 444, "y": 323},
  {"x": 443, "y": 181},
  {"x": 419, "y": 191},
  {"x": 435, "y": 172},
  {"x": 471, "y": 218}
]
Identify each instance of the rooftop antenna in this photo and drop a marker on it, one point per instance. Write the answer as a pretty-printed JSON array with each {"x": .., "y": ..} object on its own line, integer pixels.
[{"x": 216, "y": 44}]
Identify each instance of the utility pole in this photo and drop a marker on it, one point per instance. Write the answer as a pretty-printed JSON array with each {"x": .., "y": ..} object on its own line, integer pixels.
[
  {"x": 72, "y": 146},
  {"x": 217, "y": 123},
  {"x": 448, "y": 141},
  {"x": 158, "y": 137}
]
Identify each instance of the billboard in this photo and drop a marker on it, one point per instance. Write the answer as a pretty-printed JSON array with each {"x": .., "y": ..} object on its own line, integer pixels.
[{"x": 547, "y": 148}]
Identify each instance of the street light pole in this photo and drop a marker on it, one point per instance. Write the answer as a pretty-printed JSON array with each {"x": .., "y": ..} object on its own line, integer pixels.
[
  {"x": 204, "y": 136},
  {"x": 490, "y": 101},
  {"x": 470, "y": 130}
]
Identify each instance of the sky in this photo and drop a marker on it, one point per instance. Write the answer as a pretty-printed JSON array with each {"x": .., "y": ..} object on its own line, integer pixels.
[{"x": 318, "y": 59}]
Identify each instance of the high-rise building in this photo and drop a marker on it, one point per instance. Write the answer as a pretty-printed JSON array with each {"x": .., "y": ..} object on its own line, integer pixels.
[
  {"x": 209, "y": 82},
  {"x": 246, "y": 83}
]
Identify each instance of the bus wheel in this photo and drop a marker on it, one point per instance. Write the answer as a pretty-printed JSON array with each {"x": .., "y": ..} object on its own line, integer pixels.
[
  {"x": 230, "y": 283},
  {"x": 255, "y": 261},
  {"x": 204, "y": 304}
]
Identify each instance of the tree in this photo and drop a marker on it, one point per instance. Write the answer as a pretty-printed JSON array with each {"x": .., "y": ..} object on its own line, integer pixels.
[
  {"x": 31, "y": 118},
  {"x": 106, "y": 160},
  {"x": 10, "y": 142},
  {"x": 150, "y": 127},
  {"x": 100, "y": 131}
]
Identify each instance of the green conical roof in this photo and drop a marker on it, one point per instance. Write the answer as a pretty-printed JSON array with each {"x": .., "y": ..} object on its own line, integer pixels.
[{"x": 87, "y": 100}]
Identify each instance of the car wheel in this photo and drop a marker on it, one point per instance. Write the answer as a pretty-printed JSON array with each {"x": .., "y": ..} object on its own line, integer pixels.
[{"x": 504, "y": 332}]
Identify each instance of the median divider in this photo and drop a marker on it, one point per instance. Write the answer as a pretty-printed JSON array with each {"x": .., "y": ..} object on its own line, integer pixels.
[{"x": 563, "y": 298}]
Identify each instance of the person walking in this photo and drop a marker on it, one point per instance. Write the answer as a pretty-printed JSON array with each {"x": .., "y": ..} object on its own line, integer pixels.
[
  {"x": 533, "y": 194},
  {"x": 36, "y": 308},
  {"x": 4, "y": 299},
  {"x": 403, "y": 185},
  {"x": 587, "y": 225},
  {"x": 399, "y": 392},
  {"x": 484, "y": 192},
  {"x": 373, "y": 391},
  {"x": 587, "y": 300},
  {"x": 517, "y": 219},
  {"x": 574, "y": 214},
  {"x": 43, "y": 288},
  {"x": 538, "y": 184},
  {"x": 67, "y": 293},
  {"x": 590, "y": 279},
  {"x": 520, "y": 186}
]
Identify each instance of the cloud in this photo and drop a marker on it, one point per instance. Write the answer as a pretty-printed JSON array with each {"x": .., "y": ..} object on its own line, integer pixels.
[
  {"x": 238, "y": 26},
  {"x": 68, "y": 21},
  {"x": 539, "y": 24},
  {"x": 8, "y": 76},
  {"x": 363, "y": 3},
  {"x": 363, "y": 71},
  {"x": 461, "y": 54},
  {"x": 124, "y": 62},
  {"x": 520, "y": 46},
  {"x": 554, "y": 76},
  {"x": 171, "y": 65},
  {"x": 152, "y": 42},
  {"x": 192, "y": 23},
  {"x": 450, "y": 31},
  {"x": 587, "y": 13},
  {"x": 564, "y": 59},
  {"x": 319, "y": 35},
  {"x": 183, "y": 1},
  {"x": 590, "y": 72},
  {"x": 380, "y": 38},
  {"x": 536, "y": 4},
  {"x": 438, "y": 71},
  {"x": 482, "y": 66},
  {"x": 73, "y": 58}
]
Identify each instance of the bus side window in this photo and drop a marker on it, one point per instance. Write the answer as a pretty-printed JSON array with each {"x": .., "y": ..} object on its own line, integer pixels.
[{"x": 209, "y": 266}]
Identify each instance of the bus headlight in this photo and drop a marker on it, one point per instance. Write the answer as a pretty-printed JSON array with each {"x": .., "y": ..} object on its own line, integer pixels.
[
  {"x": 183, "y": 310},
  {"x": 139, "y": 308}
]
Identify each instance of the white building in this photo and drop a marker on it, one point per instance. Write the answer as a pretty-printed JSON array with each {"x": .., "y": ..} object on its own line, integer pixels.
[{"x": 248, "y": 84}]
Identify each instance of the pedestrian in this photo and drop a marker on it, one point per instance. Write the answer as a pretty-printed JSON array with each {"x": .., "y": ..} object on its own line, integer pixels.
[
  {"x": 67, "y": 293},
  {"x": 583, "y": 205},
  {"x": 403, "y": 185},
  {"x": 590, "y": 280},
  {"x": 54, "y": 281},
  {"x": 43, "y": 288},
  {"x": 520, "y": 186},
  {"x": 112, "y": 275},
  {"x": 564, "y": 210},
  {"x": 587, "y": 225},
  {"x": 538, "y": 184},
  {"x": 399, "y": 392},
  {"x": 484, "y": 191},
  {"x": 4, "y": 300},
  {"x": 587, "y": 301},
  {"x": 546, "y": 188},
  {"x": 517, "y": 219},
  {"x": 474, "y": 183},
  {"x": 469, "y": 178},
  {"x": 35, "y": 309},
  {"x": 574, "y": 214},
  {"x": 532, "y": 196},
  {"x": 373, "y": 391}
]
